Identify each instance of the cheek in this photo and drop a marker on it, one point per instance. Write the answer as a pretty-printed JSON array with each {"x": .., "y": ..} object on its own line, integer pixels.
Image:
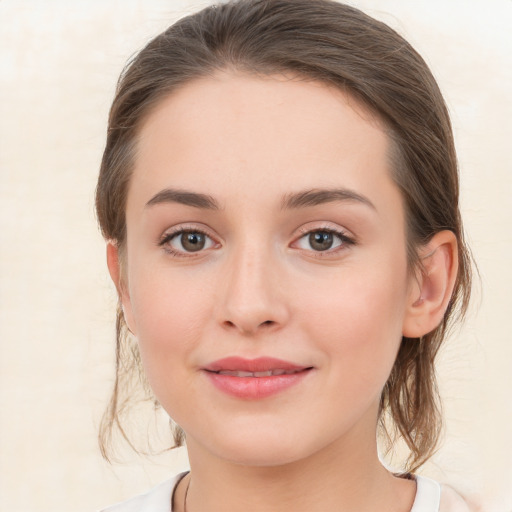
[
  {"x": 170, "y": 316},
  {"x": 358, "y": 323},
  {"x": 169, "y": 306}
]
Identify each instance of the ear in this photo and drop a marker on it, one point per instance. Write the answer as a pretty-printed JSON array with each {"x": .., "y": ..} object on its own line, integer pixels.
[
  {"x": 432, "y": 291},
  {"x": 116, "y": 273}
]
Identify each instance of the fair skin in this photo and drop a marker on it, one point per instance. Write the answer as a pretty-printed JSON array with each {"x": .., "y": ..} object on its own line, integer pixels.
[{"x": 249, "y": 279}]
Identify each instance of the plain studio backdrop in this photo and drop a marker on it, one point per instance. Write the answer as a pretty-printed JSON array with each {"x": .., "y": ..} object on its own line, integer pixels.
[{"x": 59, "y": 62}]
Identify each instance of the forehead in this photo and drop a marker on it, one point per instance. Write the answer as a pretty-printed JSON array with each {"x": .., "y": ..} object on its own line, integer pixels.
[{"x": 237, "y": 134}]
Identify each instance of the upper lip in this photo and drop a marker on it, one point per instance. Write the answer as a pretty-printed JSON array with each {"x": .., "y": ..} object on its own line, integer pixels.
[{"x": 260, "y": 364}]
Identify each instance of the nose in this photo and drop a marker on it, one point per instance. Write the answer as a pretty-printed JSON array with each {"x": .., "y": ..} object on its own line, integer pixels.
[{"x": 253, "y": 297}]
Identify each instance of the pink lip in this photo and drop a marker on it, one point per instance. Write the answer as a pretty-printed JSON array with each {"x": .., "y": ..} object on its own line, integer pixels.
[{"x": 254, "y": 388}]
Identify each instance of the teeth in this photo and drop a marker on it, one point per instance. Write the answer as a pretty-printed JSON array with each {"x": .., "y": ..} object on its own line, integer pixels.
[
  {"x": 243, "y": 374},
  {"x": 267, "y": 373},
  {"x": 263, "y": 374}
]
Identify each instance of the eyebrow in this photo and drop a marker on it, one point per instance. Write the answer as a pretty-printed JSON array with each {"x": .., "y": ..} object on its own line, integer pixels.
[
  {"x": 317, "y": 197},
  {"x": 185, "y": 197},
  {"x": 303, "y": 199}
]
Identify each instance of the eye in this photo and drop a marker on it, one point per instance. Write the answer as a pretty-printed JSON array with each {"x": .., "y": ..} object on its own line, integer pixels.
[
  {"x": 186, "y": 241},
  {"x": 322, "y": 240}
]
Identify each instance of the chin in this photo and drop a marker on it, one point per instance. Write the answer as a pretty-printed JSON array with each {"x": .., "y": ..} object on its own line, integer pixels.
[
  {"x": 260, "y": 447},
  {"x": 263, "y": 455}
]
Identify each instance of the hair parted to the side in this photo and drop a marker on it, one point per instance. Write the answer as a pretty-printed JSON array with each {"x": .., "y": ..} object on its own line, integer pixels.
[{"x": 341, "y": 46}]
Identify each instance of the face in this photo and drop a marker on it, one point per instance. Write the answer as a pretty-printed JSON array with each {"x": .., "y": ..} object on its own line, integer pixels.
[{"x": 266, "y": 274}]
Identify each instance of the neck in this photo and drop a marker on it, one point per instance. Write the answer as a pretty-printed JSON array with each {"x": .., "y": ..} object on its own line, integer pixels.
[{"x": 339, "y": 477}]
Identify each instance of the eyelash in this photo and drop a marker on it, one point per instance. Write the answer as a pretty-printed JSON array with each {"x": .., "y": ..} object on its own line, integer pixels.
[
  {"x": 344, "y": 239},
  {"x": 180, "y": 231}
]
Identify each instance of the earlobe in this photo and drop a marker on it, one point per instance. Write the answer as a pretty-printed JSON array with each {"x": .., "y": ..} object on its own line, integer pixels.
[
  {"x": 116, "y": 274},
  {"x": 435, "y": 282}
]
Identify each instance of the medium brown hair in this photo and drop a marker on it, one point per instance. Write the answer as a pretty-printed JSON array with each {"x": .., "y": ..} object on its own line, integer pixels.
[{"x": 338, "y": 45}]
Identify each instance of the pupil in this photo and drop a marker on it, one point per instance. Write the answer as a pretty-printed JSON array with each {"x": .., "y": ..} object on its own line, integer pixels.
[
  {"x": 192, "y": 241},
  {"x": 321, "y": 240}
]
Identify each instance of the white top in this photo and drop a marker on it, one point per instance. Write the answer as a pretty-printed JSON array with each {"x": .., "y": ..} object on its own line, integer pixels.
[{"x": 429, "y": 498}]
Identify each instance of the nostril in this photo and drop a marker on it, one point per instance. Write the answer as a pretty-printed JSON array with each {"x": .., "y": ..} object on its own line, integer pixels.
[{"x": 229, "y": 324}]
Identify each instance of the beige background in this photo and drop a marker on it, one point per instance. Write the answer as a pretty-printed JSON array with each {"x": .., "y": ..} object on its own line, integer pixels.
[{"x": 59, "y": 61}]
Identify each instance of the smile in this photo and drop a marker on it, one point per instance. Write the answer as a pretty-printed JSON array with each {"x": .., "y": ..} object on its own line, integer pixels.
[
  {"x": 254, "y": 379},
  {"x": 267, "y": 373}
]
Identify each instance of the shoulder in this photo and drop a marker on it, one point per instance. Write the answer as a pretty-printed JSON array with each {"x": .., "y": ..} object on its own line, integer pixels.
[
  {"x": 452, "y": 501},
  {"x": 434, "y": 497},
  {"x": 157, "y": 499}
]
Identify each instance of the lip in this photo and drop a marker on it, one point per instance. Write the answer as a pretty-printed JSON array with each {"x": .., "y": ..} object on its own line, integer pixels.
[{"x": 254, "y": 387}]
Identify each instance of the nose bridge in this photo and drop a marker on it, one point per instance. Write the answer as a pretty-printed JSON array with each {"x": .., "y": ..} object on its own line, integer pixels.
[{"x": 253, "y": 298}]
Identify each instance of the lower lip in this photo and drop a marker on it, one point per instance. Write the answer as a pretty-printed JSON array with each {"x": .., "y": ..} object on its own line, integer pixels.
[{"x": 255, "y": 388}]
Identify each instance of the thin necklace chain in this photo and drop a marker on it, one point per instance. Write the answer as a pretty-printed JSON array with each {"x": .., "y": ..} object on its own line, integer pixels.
[{"x": 407, "y": 476}]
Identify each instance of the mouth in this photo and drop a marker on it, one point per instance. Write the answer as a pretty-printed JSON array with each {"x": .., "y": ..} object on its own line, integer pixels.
[
  {"x": 267, "y": 373},
  {"x": 253, "y": 379}
]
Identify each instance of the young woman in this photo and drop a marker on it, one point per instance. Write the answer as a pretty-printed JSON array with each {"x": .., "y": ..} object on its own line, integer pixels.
[{"x": 279, "y": 196}]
